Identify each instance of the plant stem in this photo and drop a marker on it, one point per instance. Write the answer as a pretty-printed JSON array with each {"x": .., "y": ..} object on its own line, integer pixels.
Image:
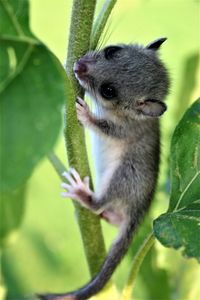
[
  {"x": 57, "y": 164},
  {"x": 138, "y": 259},
  {"x": 79, "y": 40},
  {"x": 101, "y": 21}
]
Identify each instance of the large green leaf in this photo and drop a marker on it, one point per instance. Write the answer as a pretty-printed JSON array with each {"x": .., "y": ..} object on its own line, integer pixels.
[
  {"x": 32, "y": 91},
  {"x": 179, "y": 227},
  {"x": 12, "y": 206},
  {"x": 14, "y": 18}
]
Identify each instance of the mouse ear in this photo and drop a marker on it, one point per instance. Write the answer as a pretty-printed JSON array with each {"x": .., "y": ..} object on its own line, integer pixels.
[
  {"x": 155, "y": 45},
  {"x": 151, "y": 107}
]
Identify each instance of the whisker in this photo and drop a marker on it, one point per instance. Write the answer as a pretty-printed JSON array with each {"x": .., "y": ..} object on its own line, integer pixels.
[{"x": 104, "y": 35}]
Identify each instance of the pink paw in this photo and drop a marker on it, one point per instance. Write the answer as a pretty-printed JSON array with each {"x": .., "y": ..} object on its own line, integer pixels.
[
  {"x": 83, "y": 112},
  {"x": 76, "y": 188}
]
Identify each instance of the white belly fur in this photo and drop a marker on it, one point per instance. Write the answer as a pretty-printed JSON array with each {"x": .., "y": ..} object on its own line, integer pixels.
[{"x": 107, "y": 153}]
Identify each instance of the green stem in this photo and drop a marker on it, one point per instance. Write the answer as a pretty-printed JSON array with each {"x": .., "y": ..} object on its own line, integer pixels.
[
  {"x": 138, "y": 259},
  {"x": 101, "y": 21},
  {"x": 57, "y": 164},
  {"x": 79, "y": 40}
]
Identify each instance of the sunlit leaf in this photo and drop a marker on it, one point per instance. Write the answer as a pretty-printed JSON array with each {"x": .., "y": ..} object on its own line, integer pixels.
[
  {"x": 180, "y": 226},
  {"x": 32, "y": 91}
]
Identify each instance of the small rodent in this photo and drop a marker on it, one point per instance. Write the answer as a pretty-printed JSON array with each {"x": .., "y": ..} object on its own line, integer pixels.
[{"x": 129, "y": 84}]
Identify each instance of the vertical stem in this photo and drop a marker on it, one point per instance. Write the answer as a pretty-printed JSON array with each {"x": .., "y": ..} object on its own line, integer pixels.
[
  {"x": 101, "y": 21},
  {"x": 138, "y": 259},
  {"x": 79, "y": 40}
]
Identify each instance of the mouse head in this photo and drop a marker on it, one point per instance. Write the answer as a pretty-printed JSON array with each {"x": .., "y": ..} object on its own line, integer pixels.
[{"x": 126, "y": 79}]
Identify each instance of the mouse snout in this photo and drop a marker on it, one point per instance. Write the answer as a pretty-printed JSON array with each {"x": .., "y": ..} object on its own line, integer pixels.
[{"x": 81, "y": 67}]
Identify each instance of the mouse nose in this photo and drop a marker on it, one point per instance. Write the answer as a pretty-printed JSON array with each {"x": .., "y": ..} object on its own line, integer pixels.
[{"x": 80, "y": 67}]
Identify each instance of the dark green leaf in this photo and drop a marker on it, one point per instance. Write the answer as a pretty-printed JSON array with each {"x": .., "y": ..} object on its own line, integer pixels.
[
  {"x": 12, "y": 206},
  {"x": 14, "y": 20},
  {"x": 179, "y": 227},
  {"x": 32, "y": 91},
  {"x": 185, "y": 159}
]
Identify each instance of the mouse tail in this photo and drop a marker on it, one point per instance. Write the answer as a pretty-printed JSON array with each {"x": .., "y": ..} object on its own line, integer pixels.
[{"x": 115, "y": 255}]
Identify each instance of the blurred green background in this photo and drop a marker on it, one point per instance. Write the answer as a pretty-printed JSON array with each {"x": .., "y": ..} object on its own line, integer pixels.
[{"x": 46, "y": 253}]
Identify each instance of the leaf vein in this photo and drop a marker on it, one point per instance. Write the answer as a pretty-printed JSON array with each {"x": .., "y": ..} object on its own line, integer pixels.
[
  {"x": 8, "y": 9},
  {"x": 18, "y": 69},
  {"x": 185, "y": 190},
  {"x": 185, "y": 216}
]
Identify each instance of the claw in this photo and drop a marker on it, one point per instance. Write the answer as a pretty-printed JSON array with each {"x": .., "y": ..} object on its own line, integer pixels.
[
  {"x": 75, "y": 175},
  {"x": 76, "y": 188},
  {"x": 65, "y": 186},
  {"x": 80, "y": 101},
  {"x": 86, "y": 180},
  {"x": 69, "y": 178},
  {"x": 83, "y": 112}
]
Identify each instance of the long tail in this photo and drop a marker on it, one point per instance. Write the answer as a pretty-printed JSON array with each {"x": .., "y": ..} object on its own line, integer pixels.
[{"x": 115, "y": 255}]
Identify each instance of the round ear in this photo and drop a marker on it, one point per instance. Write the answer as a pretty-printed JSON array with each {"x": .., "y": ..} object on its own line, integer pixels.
[
  {"x": 155, "y": 45},
  {"x": 151, "y": 107}
]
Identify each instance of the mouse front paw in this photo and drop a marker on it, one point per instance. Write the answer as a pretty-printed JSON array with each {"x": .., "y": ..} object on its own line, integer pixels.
[
  {"x": 83, "y": 112},
  {"x": 76, "y": 188}
]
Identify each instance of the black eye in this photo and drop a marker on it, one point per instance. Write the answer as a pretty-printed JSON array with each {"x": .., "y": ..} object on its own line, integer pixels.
[
  {"x": 110, "y": 51},
  {"x": 108, "y": 91}
]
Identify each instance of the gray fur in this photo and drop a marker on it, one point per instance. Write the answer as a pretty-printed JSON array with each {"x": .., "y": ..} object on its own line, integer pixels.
[
  {"x": 130, "y": 128},
  {"x": 135, "y": 71}
]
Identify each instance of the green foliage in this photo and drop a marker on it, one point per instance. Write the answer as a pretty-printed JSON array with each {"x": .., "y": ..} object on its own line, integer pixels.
[
  {"x": 32, "y": 91},
  {"x": 100, "y": 22},
  {"x": 179, "y": 227},
  {"x": 11, "y": 213},
  {"x": 79, "y": 42},
  {"x": 151, "y": 272},
  {"x": 188, "y": 83},
  {"x": 31, "y": 88}
]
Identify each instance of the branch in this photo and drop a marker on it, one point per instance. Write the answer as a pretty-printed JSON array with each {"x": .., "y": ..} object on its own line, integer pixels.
[
  {"x": 57, "y": 164},
  {"x": 138, "y": 259},
  {"x": 79, "y": 39},
  {"x": 100, "y": 22}
]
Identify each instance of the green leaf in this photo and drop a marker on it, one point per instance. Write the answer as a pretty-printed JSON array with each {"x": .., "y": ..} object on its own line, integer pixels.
[
  {"x": 14, "y": 20},
  {"x": 179, "y": 227},
  {"x": 185, "y": 159},
  {"x": 12, "y": 209},
  {"x": 32, "y": 91}
]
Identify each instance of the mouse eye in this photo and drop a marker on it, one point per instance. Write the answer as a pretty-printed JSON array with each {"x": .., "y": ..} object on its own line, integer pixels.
[
  {"x": 110, "y": 51},
  {"x": 108, "y": 91}
]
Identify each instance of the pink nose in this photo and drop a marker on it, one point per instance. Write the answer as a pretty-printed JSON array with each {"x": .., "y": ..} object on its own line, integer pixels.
[{"x": 80, "y": 67}]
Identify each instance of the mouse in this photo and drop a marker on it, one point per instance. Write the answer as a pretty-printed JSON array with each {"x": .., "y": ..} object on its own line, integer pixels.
[{"x": 129, "y": 84}]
